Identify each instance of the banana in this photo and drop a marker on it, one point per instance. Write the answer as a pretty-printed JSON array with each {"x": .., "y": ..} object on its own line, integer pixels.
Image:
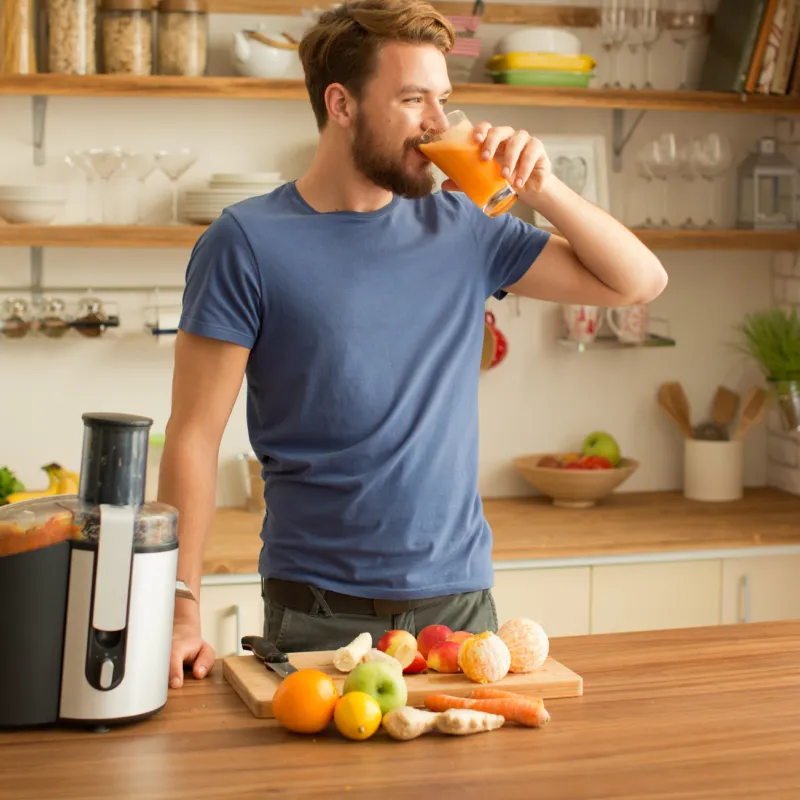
[
  {"x": 53, "y": 473},
  {"x": 68, "y": 481}
]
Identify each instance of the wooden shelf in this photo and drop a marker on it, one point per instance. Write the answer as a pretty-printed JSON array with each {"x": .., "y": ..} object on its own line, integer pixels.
[
  {"x": 186, "y": 235},
  {"x": 234, "y": 88}
]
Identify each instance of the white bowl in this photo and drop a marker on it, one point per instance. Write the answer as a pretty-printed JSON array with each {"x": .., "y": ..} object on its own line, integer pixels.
[
  {"x": 36, "y": 212},
  {"x": 40, "y": 191},
  {"x": 539, "y": 40}
]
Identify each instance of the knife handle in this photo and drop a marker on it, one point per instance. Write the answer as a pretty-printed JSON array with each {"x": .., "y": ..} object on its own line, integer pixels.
[{"x": 264, "y": 649}]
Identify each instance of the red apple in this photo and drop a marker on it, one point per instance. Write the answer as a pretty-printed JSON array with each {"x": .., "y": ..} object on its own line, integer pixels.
[
  {"x": 443, "y": 657},
  {"x": 391, "y": 640},
  {"x": 459, "y": 636},
  {"x": 417, "y": 665},
  {"x": 431, "y": 635}
]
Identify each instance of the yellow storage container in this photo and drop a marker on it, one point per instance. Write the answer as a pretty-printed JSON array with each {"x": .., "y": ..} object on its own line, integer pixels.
[{"x": 548, "y": 61}]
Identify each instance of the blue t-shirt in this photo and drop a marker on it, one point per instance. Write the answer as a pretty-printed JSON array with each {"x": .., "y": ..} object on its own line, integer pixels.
[{"x": 365, "y": 331}]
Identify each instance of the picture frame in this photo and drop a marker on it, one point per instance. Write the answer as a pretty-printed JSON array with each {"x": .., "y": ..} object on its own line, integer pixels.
[{"x": 579, "y": 161}]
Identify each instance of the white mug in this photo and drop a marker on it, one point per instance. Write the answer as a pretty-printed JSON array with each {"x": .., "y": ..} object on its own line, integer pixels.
[
  {"x": 581, "y": 322},
  {"x": 631, "y": 325}
]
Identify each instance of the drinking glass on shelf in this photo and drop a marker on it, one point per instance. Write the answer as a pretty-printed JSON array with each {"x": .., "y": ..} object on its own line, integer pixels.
[
  {"x": 634, "y": 38},
  {"x": 142, "y": 165},
  {"x": 685, "y": 20},
  {"x": 712, "y": 156},
  {"x": 613, "y": 32},
  {"x": 643, "y": 171},
  {"x": 105, "y": 163},
  {"x": 661, "y": 157},
  {"x": 79, "y": 159},
  {"x": 686, "y": 169},
  {"x": 174, "y": 164},
  {"x": 649, "y": 24}
]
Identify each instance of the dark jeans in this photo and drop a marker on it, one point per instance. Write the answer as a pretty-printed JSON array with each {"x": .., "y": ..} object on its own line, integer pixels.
[{"x": 292, "y": 630}]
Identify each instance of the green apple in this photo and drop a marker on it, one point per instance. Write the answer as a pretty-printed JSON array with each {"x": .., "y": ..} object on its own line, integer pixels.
[
  {"x": 600, "y": 443},
  {"x": 380, "y": 680}
]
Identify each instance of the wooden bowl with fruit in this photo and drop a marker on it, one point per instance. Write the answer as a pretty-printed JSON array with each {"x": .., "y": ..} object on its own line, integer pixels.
[{"x": 578, "y": 479}]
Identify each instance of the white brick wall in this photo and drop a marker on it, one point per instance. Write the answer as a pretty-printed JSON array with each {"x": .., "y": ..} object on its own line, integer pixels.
[{"x": 783, "y": 449}]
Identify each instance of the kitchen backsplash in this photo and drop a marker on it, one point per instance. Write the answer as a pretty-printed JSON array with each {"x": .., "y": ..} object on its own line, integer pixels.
[{"x": 542, "y": 397}]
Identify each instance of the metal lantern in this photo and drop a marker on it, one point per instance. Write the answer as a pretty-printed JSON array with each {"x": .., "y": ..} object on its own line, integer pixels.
[{"x": 767, "y": 183}]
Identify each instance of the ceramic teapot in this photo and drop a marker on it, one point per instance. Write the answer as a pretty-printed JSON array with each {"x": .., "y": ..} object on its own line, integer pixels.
[{"x": 260, "y": 54}]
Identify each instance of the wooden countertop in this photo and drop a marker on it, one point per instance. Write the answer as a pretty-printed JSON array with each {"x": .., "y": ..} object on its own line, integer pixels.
[
  {"x": 531, "y": 528},
  {"x": 705, "y": 712}
]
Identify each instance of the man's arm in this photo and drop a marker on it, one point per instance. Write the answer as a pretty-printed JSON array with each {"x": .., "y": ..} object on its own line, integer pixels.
[
  {"x": 207, "y": 377},
  {"x": 596, "y": 260}
]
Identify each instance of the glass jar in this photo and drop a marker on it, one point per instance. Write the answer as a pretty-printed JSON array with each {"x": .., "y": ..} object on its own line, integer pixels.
[
  {"x": 90, "y": 317},
  {"x": 127, "y": 36},
  {"x": 53, "y": 318},
  {"x": 71, "y": 37},
  {"x": 15, "y": 321},
  {"x": 17, "y": 38},
  {"x": 182, "y": 37}
]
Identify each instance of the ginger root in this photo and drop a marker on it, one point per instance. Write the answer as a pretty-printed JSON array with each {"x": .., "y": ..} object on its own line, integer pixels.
[
  {"x": 346, "y": 659},
  {"x": 407, "y": 722},
  {"x": 461, "y": 721}
]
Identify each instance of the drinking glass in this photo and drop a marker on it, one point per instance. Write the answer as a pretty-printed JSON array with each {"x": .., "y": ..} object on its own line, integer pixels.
[
  {"x": 712, "y": 156},
  {"x": 644, "y": 172},
  {"x": 686, "y": 21},
  {"x": 105, "y": 163},
  {"x": 456, "y": 153},
  {"x": 174, "y": 164},
  {"x": 649, "y": 23},
  {"x": 634, "y": 38},
  {"x": 142, "y": 165},
  {"x": 613, "y": 32},
  {"x": 79, "y": 159},
  {"x": 661, "y": 157},
  {"x": 686, "y": 169}
]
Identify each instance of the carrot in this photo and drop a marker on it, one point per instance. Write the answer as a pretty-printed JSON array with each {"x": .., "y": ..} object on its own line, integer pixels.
[
  {"x": 516, "y": 709},
  {"x": 489, "y": 693}
]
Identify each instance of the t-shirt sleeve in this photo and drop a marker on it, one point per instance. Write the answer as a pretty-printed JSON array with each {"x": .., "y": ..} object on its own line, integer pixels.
[
  {"x": 223, "y": 294},
  {"x": 507, "y": 246}
]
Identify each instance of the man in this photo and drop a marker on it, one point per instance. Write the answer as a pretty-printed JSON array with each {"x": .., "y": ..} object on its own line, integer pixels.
[{"x": 352, "y": 300}]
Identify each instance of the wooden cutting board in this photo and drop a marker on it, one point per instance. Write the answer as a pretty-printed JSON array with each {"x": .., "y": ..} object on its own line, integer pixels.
[{"x": 256, "y": 684}]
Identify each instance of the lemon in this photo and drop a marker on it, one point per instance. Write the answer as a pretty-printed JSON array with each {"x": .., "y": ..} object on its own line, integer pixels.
[{"x": 357, "y": 715}]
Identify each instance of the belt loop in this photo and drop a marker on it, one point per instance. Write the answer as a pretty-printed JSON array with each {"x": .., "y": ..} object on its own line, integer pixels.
[{"x": 319, "y": 603}]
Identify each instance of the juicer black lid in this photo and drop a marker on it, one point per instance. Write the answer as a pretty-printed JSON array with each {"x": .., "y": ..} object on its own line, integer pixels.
[{"x": 114, "y": 461}]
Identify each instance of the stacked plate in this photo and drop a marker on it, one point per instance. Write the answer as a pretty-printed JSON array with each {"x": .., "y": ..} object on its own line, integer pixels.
[{"x": 224, "y": 189}]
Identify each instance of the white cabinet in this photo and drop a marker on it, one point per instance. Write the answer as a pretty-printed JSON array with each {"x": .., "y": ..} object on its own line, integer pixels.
[
  {"x": 228, "y": 612},
  {"x": 629, "y": 597},
  {"x": 760, "y": 589},
  {"x": 557, "y": 598}
]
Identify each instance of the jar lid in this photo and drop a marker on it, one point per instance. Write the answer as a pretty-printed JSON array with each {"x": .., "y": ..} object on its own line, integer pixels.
[
  {"x": 127, "y": 5},
  {"x": 199, "y": 6}
]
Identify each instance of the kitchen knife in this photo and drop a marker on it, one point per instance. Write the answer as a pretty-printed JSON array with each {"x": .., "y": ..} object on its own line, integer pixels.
[{"x": 273, "y": 658}]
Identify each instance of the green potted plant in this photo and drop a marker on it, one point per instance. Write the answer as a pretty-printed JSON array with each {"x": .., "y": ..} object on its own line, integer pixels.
[{"x": 772, "y": 338}]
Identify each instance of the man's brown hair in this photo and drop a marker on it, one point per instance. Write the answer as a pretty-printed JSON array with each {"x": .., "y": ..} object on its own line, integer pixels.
[{"x": 343, "y": 47}]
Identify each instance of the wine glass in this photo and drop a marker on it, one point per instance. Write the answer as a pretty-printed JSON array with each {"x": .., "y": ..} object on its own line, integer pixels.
[
  {"x": 712, "y": 155},
  {"x": 649, "y": 24},
  {"x": 613, "y": 32},
  {"x": 142, "y": 165},
  {"x": 685, "y": 20},
  {"x": 643, "y": 171},
  {"x": 79, "y": 159},
  {"x": 661, "y": 157},
  {"x": 105, "y": 163},
  {"x": 174, "y": 164},
  {"x": 635, "y": 38},
  {"x": 686, "y": 169}
]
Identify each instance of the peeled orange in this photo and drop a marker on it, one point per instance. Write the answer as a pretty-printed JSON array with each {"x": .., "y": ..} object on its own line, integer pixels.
[
  {"x": 484, "y": 658},
  {"x": 527, "y": 642},
  {"x": 305, "y": 701}
]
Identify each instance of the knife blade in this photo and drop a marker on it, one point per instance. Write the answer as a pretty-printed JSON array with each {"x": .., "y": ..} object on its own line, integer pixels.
[{"x": 266, "y": 651}]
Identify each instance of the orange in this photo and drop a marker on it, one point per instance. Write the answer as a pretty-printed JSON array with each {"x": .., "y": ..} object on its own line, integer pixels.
[
  {"x": 357, "y": 715},
  {"x": 304, "y": 702}
]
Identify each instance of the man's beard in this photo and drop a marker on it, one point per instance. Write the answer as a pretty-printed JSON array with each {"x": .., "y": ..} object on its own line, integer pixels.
[{"x": 387, "y": 171}]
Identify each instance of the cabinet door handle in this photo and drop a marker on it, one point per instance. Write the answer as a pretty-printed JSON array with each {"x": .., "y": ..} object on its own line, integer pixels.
[{"x": 744, "y": 598}]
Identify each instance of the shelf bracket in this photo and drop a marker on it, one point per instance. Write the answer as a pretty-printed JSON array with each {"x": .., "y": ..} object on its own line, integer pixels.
[
  {"x": 620, "y": 138},
  {"x": 39, "y": 117},
  {"x": 37, "y": 274}
]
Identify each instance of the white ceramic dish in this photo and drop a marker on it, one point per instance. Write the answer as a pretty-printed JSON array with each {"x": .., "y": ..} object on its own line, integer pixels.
[
  {"x": 539, "y": 40},
  {"x": 43, "y": 191},
  {"x": 29, "y": 211}
]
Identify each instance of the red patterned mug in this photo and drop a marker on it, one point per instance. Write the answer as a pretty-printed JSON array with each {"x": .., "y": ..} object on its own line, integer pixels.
[{"x": 495, "y": 344}]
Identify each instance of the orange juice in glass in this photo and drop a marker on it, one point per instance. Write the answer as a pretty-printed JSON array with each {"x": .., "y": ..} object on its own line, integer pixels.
[{"x": 457, "y": 154}]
